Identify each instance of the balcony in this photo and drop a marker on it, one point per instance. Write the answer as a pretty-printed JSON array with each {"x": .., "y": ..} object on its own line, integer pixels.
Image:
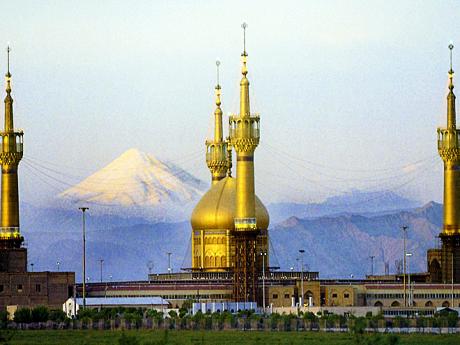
[
  {"x": 9, "y": 232},
  {"x": 245, "y": 224},
  {"x": 448, "y": 138}
]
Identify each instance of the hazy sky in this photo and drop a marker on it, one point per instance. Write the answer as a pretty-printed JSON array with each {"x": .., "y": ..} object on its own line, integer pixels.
[{"x": 350, "y": 92}]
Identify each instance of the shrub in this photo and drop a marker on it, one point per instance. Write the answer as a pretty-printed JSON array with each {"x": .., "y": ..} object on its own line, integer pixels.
[
  {"x": 23, "y": 315},
  {"x": 57, "y": 315},
  {"x": 40, "y": 314},
  {"x": 3, "y": 319}
]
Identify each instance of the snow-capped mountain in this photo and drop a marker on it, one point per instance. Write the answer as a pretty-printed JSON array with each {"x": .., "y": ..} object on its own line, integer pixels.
[{"x": 137, "y": 183}]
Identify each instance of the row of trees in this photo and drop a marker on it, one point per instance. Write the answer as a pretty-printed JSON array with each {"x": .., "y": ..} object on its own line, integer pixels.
[{"x": 207, "y": 320}]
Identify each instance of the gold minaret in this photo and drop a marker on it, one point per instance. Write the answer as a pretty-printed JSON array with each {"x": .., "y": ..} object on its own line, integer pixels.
[
  {"x": 244, "y": 137},
  {"x": 11, "y": 154},
  {"x": 449, "y": 150},
  {"x": 216, "y": 150}
]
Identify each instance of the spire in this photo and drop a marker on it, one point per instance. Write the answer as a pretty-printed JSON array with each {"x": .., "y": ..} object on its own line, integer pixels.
[
  {"x": 451, "y": 117},
  {"x": 8, "y": 99},
  {"x": 218, "y": 132},
  {"x": 244, "y": 84}
]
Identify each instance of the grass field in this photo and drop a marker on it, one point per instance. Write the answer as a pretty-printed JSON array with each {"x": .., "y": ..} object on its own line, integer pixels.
[{"x": 71, "y": 337}]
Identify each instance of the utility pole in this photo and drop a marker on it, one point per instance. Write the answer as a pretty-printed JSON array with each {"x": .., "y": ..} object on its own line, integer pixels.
[
  {"x": 101, "y": 261},
  {"x": 408, "y": 255},
  {"x": 264, "y": 254},
  {"x": 452, "y": 283},
  {"x": 83, "y": 210},
  {"x": 404, "y": 229},
  {"x": 301, "y": 251},
  {"x": 169, "y": 262},
  {"x": 372, "y": 264}
]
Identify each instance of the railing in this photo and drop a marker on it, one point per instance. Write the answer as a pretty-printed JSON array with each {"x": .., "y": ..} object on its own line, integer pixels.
[{"x": 245, "y": 223}]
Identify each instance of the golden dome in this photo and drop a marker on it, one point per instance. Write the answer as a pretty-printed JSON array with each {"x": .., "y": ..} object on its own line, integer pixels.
[{"x": 216, "y": 209}]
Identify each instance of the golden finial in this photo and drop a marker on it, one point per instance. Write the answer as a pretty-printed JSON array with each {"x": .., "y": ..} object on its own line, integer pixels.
[
  {"x": 451, "y": 71},
  {"x": 218, "y": 102},
  {"x": 8, "y": 74},
  {"x": 244, "y": 69}
]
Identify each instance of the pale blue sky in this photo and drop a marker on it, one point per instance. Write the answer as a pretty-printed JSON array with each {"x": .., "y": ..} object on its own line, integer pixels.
[{"x": 346, "y": 85}]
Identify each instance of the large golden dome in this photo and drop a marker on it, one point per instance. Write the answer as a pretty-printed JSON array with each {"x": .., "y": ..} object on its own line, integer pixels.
[{"x": 216, "y": 209}]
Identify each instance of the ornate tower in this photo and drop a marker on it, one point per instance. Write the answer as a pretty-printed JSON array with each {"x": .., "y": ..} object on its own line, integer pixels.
[
  {"x": 449, "y": 150},
  {"x": 216, "y": 150},
  {"x": 10, "y": 156},
  {"x": 244, "y": 137}
]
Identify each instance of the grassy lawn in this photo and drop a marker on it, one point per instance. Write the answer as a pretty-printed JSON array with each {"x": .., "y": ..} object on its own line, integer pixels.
[{"x": 71, "y": 337}]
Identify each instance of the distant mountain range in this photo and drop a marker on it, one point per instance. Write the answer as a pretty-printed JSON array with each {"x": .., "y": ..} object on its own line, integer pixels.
[
  {"x": 335, "y": 245},
  {"x": 140, "y": 209},
  {"x": 354, "y": 202}
]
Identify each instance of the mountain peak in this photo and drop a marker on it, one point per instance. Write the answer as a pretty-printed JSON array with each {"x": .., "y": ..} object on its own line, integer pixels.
[{"x": 138, "y": 180}]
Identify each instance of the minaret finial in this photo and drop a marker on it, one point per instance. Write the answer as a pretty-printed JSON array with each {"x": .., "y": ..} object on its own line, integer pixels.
[
  {"x": 451, "y": 116},
  {"x": 217, "y": 72},
  {"x": 244, "y": 26},
  {"x": 8, "y": 49}
]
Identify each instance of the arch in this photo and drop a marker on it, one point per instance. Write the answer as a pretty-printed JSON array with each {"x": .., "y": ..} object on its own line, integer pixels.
[
  {"x": 206, "y": 261},
  {"x": 223, "y": 261},
  {"x": 378, "y": 304},
  {"x": 307, "y": 294},
  {"x": 446, "y": 304},
  {"x": 214, "y": 240},
  {"x": 395, "y": 304},
  {"x": 429, "y": 304},
  {"x": 215, "y": 261}
]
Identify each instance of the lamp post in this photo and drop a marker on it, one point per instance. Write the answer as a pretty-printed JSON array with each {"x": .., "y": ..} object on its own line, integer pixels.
[
  {"x": 169, "y": 262},
  {"x": 301, "y": 251},
  {"x": 101, "y": 261},
  {"x": 263, "y": 254},
  {"x": 408, "y": 255},
  {"x": 372, "y": 264},
  {"x": 404, "y": 229},
  {"x": 83, "y": 211},
  {"x": 58, "y": 264}
]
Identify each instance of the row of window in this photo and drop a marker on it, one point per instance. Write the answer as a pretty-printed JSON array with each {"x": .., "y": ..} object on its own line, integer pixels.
[
  {"x": 212, "y": 261},
  {"x": 416, "y": 295},
  {"x": 19, "y": 288},
  {"x": 345, "y": 295},
  {"x": 275, "y": 296},
  {"x": 210, "y": 240}
]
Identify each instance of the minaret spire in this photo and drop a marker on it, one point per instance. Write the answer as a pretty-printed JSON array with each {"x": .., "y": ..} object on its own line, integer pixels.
[
  {"x": 10, "y": 155},
  {"x": 9, "y": 126},
  {"x": 448, "y": 148},
  {"x": 244, "y": 84},
  {"x": 451, "y": 116},
  {"x": 216, "y": 149}
]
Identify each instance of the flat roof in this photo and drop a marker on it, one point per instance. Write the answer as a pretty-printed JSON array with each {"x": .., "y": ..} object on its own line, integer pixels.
[{"x": 122, "y": 301}]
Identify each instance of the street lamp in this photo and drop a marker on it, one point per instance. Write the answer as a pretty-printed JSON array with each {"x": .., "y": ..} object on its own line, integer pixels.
[
  {"x": 83, "y": 210},
  {"x": 404, "y": 229},
  {"x": 301, "y": 251},
  {"x": 101, "y": 261},
  {"x": 169, "y": 262},
  {"x": 57, "y": 264},
  {"x": 263, "y": 254},
  {"x": 408, "y": 255}
]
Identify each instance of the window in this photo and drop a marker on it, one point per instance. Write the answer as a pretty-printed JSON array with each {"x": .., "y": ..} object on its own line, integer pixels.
[
  {"x": 334, "y": 295},
  {"x": 38, "y": 288},
  {"x": 346, "y": 295},
  {"x": 19, "y": 287},
  {"x": 286, "y": 295},
  {"x": 275, "y": 296}
]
